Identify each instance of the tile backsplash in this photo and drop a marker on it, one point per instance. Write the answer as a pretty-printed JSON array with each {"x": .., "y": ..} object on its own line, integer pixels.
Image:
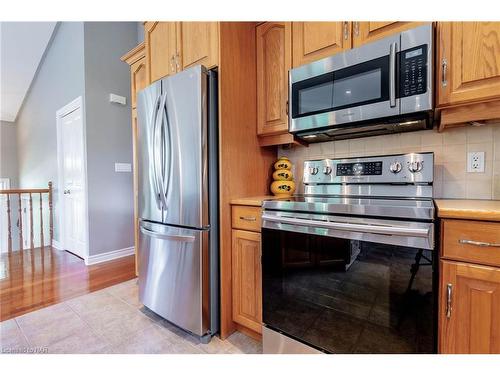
[{"x": 451, "y": 179}]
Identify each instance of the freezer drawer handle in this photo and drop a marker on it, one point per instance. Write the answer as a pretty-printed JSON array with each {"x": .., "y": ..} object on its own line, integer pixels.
[
  {"x": 377, "y": 229},
  {"x": 169, "y": 237}
]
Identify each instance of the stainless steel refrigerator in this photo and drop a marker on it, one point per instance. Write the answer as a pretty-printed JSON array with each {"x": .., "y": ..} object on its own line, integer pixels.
[{"x": 178, "y": 200}]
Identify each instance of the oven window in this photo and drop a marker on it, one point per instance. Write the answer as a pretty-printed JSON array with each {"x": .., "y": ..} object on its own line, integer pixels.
[
  {"x": 356, "y": 85},
  {"x": 345, "y": 296}
]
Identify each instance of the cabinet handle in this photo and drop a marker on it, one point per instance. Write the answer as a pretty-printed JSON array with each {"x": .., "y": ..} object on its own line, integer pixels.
[
  {"x": 346, "y": 30},
  {"x": 449, "y": 290},
  {"x": 287, "y": 108},
  {"x": 444, "y": 72},
  {"x": 356, "y": 28},
  {"x": 478, "y": 243},
  {"x": 172, "y": 64},
  {"x": 177, "y": 64},
  {"x": 248, "y": 218}
]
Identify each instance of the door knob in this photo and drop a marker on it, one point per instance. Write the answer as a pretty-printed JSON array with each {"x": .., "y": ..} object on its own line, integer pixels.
[{"x": 67, "y": 191}]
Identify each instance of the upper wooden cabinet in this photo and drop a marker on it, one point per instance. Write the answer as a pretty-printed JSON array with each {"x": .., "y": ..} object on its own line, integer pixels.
[
  {"x": 161, "y": 49},
  {"x": 274, "y": 60},
  {"x": 468, "y": 62},
  {"x": 138, "y": 75},
  {"x": 198, "y": 43},
  {"x": 175, "y": 46},
  {"x": 366, "y": 32},
  {"x": 315, "y": 40},
  {"x": 469, "y": 316}
]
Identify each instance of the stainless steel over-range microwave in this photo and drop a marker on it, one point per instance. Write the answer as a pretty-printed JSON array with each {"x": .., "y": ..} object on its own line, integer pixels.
[{"x": 381, "y": 87}]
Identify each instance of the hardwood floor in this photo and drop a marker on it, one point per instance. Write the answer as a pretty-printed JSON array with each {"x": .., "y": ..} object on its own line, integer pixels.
[{"x": 32, "y": 279}]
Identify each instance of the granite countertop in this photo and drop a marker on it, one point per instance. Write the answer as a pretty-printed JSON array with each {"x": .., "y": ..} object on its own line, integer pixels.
[
  {"x": 252, "y": 201},
  {"x": 468, "y": 209}
]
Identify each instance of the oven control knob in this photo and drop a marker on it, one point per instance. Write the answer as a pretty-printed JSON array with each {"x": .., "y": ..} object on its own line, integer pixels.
[
  {"x": 327, "y": 170},
  {"x": 313, "y": 170},
  {"x": 415, "y": 166},
  {"x": 395, "y": 167}
]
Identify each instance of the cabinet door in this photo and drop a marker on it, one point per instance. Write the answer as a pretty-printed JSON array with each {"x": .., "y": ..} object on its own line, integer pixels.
[
  {"x": 160, "y": 43},
  {"x": 469, "y": 308},
  {"x": 315, "y": 40},
  {"x": 468, "y": 62},
  {"x": 274, "y": 60},
  {"x": 138, "y": 79},
  {"x": 198, "y": 43},
  {"x": 366, "y": 32},
  {"x": 247, "y": 279}
]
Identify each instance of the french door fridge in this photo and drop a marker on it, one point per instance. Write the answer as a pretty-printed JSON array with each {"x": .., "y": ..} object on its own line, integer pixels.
[{"x": 178, "y": 200}]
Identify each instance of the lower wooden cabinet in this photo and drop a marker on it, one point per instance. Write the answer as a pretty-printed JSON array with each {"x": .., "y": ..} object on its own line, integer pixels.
[
  {"x": 469, "y": 313},
  {"x": 247, "y": 279}
]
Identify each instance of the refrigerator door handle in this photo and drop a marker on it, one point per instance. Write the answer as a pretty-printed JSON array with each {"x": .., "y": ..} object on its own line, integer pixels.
[
  {"x": 168, "y": 153},
  {"x": 153, "y": 154},
  {"x": 169, "y": 237},
  {"x": 157, "y": 152}
]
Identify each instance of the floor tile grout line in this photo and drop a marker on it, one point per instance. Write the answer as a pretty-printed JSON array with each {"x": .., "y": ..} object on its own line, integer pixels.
[
  {"x": 94, "y": 331},
  {"x": 22, "y": 333}
]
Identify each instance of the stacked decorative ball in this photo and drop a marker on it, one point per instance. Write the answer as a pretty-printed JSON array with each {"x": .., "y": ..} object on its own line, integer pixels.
[{"x": 283, "y": 185}]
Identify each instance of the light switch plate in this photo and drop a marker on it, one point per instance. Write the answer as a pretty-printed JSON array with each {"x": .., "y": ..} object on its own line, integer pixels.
[
  {"x": 123, "y": 167},
  {"x": 475, "y": 162}
]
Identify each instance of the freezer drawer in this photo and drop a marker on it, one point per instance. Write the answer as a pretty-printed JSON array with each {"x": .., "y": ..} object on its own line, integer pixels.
[{"x": 174, "y": 275}]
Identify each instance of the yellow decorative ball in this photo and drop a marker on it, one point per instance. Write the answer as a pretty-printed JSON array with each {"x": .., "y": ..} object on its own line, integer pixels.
[
  {"x": 283, "y": 175},
  {"x": 283, "y": 188},
  {"x": 283, "y": 163}
]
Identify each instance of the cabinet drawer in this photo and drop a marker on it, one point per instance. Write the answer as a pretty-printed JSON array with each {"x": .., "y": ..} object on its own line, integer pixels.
[
  {"x": 246, "y": 217},
  {"x": 472, "y": 241}
]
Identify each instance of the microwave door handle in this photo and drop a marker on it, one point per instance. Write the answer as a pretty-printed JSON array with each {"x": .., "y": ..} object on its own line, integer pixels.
[{"x": 392, "y": 75}]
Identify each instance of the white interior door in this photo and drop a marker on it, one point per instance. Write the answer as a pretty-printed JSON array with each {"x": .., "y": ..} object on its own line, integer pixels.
[{"x": 73, "y": 183}]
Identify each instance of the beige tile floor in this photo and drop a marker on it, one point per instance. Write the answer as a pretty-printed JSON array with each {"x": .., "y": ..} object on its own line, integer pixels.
[{"x": 111, "y": 320}]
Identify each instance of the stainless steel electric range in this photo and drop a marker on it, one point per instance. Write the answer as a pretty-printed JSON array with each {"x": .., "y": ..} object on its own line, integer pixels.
[{"x": 350, "y": 265}]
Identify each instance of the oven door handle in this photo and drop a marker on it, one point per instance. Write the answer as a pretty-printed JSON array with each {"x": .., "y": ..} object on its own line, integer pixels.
[{"x": 364, "y": 228}]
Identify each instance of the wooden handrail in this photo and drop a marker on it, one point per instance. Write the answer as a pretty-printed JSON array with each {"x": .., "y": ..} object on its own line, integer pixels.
[
  {"x": 24, "y": 191},
  {"x": 30, "y": 192}
]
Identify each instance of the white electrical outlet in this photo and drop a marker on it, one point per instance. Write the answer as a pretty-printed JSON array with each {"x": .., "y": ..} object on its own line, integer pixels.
[{"x": 475, "y": 162}]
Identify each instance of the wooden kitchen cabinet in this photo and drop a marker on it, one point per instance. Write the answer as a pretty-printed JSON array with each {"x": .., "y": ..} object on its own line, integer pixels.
[
  {"x": 316, "y": 40},
  {"x": 469, "y": 292},
  {"x": 136, "y": 59},
  {"x": 274, "y": 60},
  {"x": 247, "y": 279},
  {"x": 367, "y": 32},
  {"x": 469, "y": 314},
  {"x": 468, "y": 62},
  {"x": 174, "y": 46},
  {"x": 198, "y": 43},
  {"x": 161, "y": 49}
]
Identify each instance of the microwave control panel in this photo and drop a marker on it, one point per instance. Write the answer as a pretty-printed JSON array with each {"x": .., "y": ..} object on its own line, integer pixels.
[{"x": 413, "y": 71}]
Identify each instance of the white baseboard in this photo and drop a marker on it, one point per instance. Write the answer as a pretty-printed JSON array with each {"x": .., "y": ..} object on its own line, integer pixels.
[
  {"x": 110, "y": 255},
  {"x": 56, "y": 245}
]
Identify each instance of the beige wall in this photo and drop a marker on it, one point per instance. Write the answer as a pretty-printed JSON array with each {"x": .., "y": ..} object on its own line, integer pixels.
[{"x": 450, "y": 148}]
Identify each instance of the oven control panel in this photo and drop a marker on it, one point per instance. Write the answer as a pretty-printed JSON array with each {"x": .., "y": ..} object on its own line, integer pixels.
[
  {"x": 391, "y": 169},
  {"x": 371, "y": 168}
]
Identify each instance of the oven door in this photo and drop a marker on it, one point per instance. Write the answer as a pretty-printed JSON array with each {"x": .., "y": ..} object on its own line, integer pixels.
[
  {"x": 353, "y": 86},
  {"x": 345, "y": 285}
]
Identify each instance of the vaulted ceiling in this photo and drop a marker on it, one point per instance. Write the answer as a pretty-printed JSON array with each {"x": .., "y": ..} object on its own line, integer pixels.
[{"x": 22, "y": 46}]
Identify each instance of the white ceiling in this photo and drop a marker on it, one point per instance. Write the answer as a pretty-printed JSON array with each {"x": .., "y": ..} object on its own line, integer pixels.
[{"x": 22, "y": 45}]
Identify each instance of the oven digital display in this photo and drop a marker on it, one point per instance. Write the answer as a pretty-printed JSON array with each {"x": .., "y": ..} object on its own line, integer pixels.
[{"x": 360, "y": 169}]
